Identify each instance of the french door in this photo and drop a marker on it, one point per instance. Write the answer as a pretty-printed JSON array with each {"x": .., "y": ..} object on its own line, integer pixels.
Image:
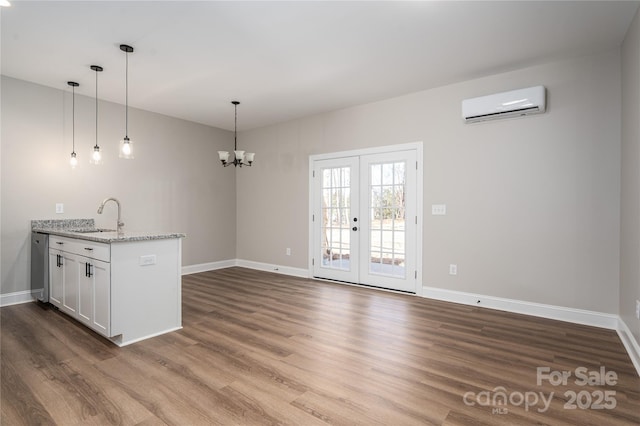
[{"x": 365, "y": 219}]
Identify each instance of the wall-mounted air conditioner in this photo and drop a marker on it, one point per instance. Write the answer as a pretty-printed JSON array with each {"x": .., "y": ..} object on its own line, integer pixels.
[{"x": 514, "y": 103}]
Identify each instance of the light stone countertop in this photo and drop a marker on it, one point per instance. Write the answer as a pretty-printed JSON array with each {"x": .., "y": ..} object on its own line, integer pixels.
[{"x": 78, "y": 228}]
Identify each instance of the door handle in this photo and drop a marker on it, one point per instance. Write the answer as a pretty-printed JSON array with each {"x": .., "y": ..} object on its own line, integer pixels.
[{"x": 355, "y": 228}]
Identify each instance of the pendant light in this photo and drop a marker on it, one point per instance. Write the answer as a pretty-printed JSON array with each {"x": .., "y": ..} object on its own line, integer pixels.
[
  {"x": 240, "y": 157},
  {"x": 126, "y": 148},
  {"x": 73, "y": 161},
  {"x": 96, "y": 157}
]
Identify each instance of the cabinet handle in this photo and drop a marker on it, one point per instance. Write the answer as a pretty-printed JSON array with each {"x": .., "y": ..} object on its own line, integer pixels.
[
  {"x": 88, "y": 248},
  {"x": 87, "y": 270},
  {"x": 59, "y": 242}
]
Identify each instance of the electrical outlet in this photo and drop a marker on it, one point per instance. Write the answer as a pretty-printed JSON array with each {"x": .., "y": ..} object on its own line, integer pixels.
[
  {"x": 638, "y": 309},
  {"x": 59, "y": 208},
  {"x": 288, "y": 251},
  {"x": 148, "y": 259},
  {"x": 438, "y": 209},
  {"x": 453, "y": 269}
]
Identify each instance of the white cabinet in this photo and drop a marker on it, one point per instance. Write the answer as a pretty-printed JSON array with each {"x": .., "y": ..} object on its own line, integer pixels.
[
  {"x": 80, "y": 283},
  {"x": 93, "y": 294},
  {"x": 70, "y": 264},
  {"x": 56, "y": 277},
  {"x": 63, "y": 279},
  {"x": 126, "y": 290}
]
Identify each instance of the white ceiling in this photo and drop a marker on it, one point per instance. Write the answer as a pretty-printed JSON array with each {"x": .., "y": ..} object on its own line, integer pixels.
[{"x": 285, "y": 60}]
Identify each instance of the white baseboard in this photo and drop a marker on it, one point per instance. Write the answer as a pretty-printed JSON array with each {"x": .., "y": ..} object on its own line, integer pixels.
[
  {"x": 630, "y": 343},
  {"x": 268, "y": 267},
  {"x": 561, "y": 313},
  {"x": 17, "y": 297},
  {"x": 118, "y": 339},
  {"x": 259, "y": 266},
  {"x": 211, "y": 266}
]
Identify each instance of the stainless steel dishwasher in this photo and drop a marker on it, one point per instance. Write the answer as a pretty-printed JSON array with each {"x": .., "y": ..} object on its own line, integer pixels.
[{"x": 40, "y": 266}]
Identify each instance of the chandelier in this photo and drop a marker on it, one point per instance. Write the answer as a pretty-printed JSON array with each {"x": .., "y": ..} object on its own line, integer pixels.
[{"x": 240, "y": 157}]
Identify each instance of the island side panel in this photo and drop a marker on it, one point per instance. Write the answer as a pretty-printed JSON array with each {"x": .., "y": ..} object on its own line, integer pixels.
[{"x": 146, "y": 289}]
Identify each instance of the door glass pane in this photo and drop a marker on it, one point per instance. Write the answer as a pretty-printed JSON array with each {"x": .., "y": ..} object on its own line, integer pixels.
[
  {"x": 336, "y": 214},
  {"x": 387, "y": 186}
]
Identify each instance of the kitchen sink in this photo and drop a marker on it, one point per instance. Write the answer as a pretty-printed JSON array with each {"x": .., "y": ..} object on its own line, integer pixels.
[{"x": 92, "y": 230}]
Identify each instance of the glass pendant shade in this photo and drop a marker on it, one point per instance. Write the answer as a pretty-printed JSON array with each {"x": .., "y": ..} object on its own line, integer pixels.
[
  {"x": 126, "y": 149},
  {"x": 96, "y": 157},
  {"x": 223, "y": 155},
  {"x": 248, "y": 157},
  {"x": 73, "y": 161}
]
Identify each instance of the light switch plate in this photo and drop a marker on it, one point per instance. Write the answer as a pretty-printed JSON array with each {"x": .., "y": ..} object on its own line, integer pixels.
[
  {"x": 59, "y": 208},
  {"x": 438, "y": 209}
]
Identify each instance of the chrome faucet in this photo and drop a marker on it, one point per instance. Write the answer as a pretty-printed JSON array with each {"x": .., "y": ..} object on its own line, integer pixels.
[{"x": 120, "y": 224}]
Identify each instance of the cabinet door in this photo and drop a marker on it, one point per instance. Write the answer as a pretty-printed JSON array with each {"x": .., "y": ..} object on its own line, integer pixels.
[
  {"x": 56, "y": 278},
  {"x": 101, "y": 297},
  {"x": 85, "y": 290},
  {"x": 71, "y": 272}
]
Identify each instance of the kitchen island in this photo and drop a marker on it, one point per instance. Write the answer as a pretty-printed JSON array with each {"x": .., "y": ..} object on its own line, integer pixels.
[{"x": 125, "y": 286}]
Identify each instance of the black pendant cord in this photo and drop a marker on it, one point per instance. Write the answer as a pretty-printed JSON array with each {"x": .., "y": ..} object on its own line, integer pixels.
[
  {"x": 96, "y": 111},
  {"x": 126, "y": 97},
  {"x": 73, "y": 85},
  {"x": 126, "y": 49},
  {"x": 73, "y": 118},
  {"x": 97, "y": 69},
  {"x": 235, "y": 128}
]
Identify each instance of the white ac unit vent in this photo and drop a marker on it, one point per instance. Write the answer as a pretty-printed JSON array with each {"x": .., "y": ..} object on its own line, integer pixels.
[{"x": 514, "y": 103}]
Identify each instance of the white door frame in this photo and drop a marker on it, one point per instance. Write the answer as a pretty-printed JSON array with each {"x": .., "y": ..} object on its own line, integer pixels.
[{"x": 417, "y": 146}]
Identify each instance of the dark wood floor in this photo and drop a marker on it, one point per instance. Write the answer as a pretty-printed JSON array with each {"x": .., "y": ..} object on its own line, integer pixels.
[{"x": 261, "y": 348}]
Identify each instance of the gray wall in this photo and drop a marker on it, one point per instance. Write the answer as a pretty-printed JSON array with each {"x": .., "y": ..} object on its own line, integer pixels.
[
  {"x": 533, "y": 203},
  {"x": 630, "y": 201},
  {"x": 175, "y": 182}
]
